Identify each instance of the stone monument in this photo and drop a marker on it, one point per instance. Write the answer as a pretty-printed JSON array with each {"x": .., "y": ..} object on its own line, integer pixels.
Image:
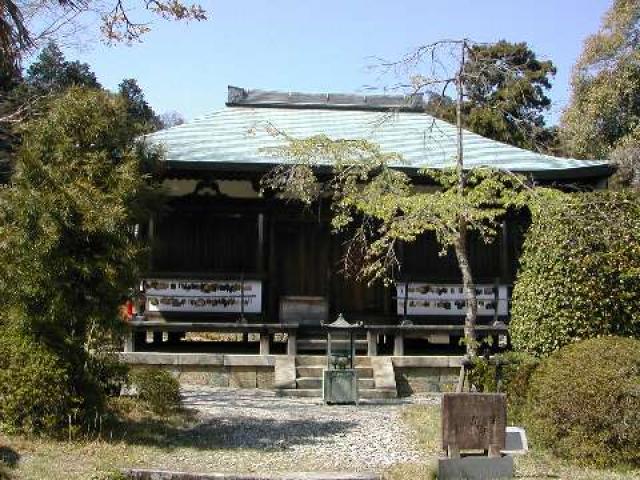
[{"x": 473, "y": 434}]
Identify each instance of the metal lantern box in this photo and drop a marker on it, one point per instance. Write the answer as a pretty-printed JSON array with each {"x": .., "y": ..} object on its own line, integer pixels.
[{"x": 340, "y": 378}]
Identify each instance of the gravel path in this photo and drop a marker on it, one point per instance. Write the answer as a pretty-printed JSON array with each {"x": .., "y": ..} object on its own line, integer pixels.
[{"x": 256, "y": 431}]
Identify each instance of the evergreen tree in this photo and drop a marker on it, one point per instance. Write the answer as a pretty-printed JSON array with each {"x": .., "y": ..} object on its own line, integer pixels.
[
  {"x": 138, "y": 109},
  {"x": 51, "y": 72},
  {"x": 67, "y": 254},
  {"x": 505, "y": 95},
  {"x": 603, "y": 116}
]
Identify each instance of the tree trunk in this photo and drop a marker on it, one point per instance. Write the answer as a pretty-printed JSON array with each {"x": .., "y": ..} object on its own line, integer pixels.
[
  {"x": 461, "y": 244},
  {"x": 462, "y": 255}
]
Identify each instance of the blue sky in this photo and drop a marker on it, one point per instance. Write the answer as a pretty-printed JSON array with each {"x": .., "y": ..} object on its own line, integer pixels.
[{"x": 326, "y": 46}]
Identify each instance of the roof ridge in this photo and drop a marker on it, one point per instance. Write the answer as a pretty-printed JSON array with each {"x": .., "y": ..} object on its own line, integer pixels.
[{"x": 241, "y": 97}]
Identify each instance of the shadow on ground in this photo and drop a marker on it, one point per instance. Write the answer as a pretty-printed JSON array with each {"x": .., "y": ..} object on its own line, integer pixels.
[
  {"x": 9, "y": 459},
  {"x": 230, "y": 432}
]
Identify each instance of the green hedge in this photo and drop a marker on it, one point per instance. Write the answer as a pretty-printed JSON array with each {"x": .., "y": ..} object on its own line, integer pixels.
[
  {"x": 34, "y": 393},
  {"x": 580, "y": 271},
  {"x": 509, "y": 373},
  {"x": 584, "y": 402},
  {"x": 158, "y": 388}
]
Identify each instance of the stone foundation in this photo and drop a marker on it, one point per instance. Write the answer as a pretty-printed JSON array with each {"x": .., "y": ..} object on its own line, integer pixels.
[
  {"x": 426, "y": 374},
  {"x": 413, "y": 374},
  {"x": 213, "y": 370}
]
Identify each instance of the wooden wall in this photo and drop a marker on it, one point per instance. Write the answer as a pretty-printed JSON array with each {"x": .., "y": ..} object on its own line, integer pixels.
[{"x": 296, "y": 253}]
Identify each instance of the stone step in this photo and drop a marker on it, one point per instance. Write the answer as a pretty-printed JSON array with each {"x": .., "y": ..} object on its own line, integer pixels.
[
  {"x": 305, "y": 383},
  {"x": 306, "y": 393},
  {"x": 365, "y": 393},
  {"x": 311, "y": 360},
  {"x": 316, "y": 372},
  {"x": 377, "y": 394},
  {"x": 366, "y": 383},
  {"x": 321, "y": 361}
]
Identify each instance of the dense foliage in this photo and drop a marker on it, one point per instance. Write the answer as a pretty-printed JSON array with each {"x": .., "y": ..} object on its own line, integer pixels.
[
  {"x": 584, "y": 403},
  {"x": 604, "y": 112},
  {"x": 52, "y": 72},
  {"x": 508, "y": 373},
  {"x": 67, "y": 252},
  {"x": 157, "y": 388},
  {"x": 505, "y": 95},
  {"x": 34, "y": 397},
  {"x": 580, "y": 271}
]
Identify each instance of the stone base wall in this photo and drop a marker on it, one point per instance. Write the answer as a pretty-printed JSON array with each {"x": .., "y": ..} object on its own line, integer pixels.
[
  {"x": 235, "y": 371},
  {"x": 231, "y": 376},
  {"x": 413, "y": 374},
  {"x": 426, "y": 374},
  {"x": 426, "y": 379}
]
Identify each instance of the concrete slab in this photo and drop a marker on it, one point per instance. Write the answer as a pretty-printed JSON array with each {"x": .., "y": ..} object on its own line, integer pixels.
[
  {"x": 383, "y": 373},
  {"x": 243, "y": 377},
  {"x": 475, "y": 468},
  {"x": 249, "y": 360},
  {"x": 285, "y": 372},
  {"x": 143, "y": 474},
  {"x": 149, "y": 358},
  {"x": 208, "y": 359},
  {"x": 427, "y": 361}
]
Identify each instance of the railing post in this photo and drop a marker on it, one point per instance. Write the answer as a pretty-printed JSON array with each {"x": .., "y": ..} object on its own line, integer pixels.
[
  {"x": 398, "y": 344},
  {"x": 129, "y": 343},
  {"x": 292, "y": 346},
  {"x": 265, "y": 343},
  {"x": 372, "y": 343}
]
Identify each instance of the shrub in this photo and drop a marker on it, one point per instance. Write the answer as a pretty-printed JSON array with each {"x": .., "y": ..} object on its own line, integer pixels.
[
  {"x": 515, "y": 370},
  {"x": 580, "y": 271},
  {"x": 584, "y": 402},
  {"x": 34, "y": 397},
  {"x": 158, "y": 388}
]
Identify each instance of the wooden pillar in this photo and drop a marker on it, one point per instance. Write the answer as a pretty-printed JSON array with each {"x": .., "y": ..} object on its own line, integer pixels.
[
  {"x": 372, "y": 343},
  {"x": 292, "y": 345},
  {"x": 260, "y": 249},
  {"x": 398, "y": 344},
  {"x": 271, "y": 295},
  {"x": 151, "y": 234},
  {"x": 265, "y": 343},
  {"x": 129, "y": 341}
]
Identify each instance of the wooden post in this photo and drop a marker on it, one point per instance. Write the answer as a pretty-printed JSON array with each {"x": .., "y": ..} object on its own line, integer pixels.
[
  {"x": 398, "y": 344},
  {"x": 372, "y": 343},
  {"x": 292, "y": 346},
  {"x": 260, "y": 249},
  {"x": 265, "y": 343},
  {"x": 151, "y": 234}
]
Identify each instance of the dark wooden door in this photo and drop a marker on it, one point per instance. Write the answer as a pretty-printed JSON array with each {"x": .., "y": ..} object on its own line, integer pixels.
[{"x": 301, "y": 258}]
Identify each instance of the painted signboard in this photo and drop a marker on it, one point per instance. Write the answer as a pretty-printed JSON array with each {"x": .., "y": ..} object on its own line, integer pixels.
[
  {"x": 206, "y": 296},
  {"x": 430, "y": 299}
]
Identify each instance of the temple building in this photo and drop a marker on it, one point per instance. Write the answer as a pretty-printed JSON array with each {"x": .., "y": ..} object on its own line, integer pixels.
[{"x": 227, "y": 259}]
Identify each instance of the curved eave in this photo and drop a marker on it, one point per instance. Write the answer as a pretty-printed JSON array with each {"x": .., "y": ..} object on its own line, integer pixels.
[{"x": 597, "y": 171}]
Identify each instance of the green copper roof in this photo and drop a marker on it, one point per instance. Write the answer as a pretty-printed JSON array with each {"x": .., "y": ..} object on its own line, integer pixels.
[{"x": 236, "y": 136}]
